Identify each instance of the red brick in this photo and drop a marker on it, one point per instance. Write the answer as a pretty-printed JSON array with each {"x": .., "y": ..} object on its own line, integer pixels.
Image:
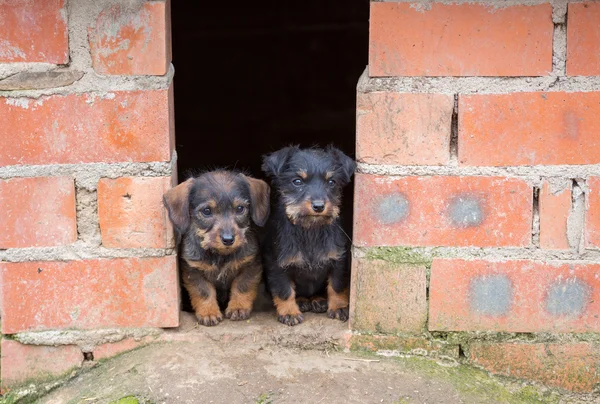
[
  {"x": 407, "y": 129},
  {"x": 37, "y": 212},
  {"x": 460, "y": 40},
  {"x": 132, "y": 214},
  {"x": 514, "y": 296},
  {"x": 592, "y": 219},
  {"x": 33, "y": 31},
  {"x": 85, "y": 128},
  {"x": 442, "y": 211},
  {"x": 571, "y": 366},
  {"x": 583, "y": 39},
  {"x": 529, "y": 129},
  {"x": 102, "y": 293},
  {"x": 21, "y": 362},
  {"x": 132, "y": 43},
  {"x": 555, "y": 208},
  {"x": 106, "y": 351},
  {"x": 388, "y": 297}
]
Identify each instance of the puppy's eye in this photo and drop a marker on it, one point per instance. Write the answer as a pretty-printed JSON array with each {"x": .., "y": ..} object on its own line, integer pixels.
[
  {"x": 240, "y": 210},
  {"x": 297, "y": 182},
  {"x": 331, "y": 183},
  {"x": 206, "y": 212}
]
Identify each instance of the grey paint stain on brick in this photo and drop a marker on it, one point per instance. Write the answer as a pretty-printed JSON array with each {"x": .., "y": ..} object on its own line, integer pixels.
[
  {"x": 568, "y": 297},
  {"x": 491, "y": 295},
  {"x": 466, "y": 211},
  {"x": 393, "y": 209}
]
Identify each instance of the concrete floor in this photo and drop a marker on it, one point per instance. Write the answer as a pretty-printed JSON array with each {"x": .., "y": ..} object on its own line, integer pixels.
[{"x": 262, "y": 361}]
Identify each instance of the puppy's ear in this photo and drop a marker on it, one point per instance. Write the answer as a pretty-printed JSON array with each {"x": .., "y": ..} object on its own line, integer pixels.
[
  {"x": 346, "y": 163},
  {"x": 260, "y": 194},
  {"x": 273, "y": 163},
  {"x": 177, "y": 202}
]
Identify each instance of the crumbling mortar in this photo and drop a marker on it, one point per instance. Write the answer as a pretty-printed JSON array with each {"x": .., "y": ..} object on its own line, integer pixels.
[
  {"x": 558, "y": 5},
  {"x": 88, "y": 227},
  {"x": 477, "y": 85},
  {"x": 466, "y": 338},
  {"x": 88, "y": 175},
  {"x": 425, "y": 255},
  {"x": 559, "y": 52},
  {"x": 92, "y": 83},
  {"x": 535, "y": 228},
  {"x": 80, "y": 250},
  {"x": 576, "y": 218},
  {"x": 531, "y": 174},
  {"x": 454, "y": 135},
  {"x": 87, "y": 340}
]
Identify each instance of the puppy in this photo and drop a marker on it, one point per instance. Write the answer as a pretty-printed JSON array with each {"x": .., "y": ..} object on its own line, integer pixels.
[
  {"x": 220, "y": 261},
  {"x": 304, "y": 251}
]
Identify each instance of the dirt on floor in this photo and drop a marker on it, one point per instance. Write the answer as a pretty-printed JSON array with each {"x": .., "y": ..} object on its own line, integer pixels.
[{"x": 262, "y": 361}]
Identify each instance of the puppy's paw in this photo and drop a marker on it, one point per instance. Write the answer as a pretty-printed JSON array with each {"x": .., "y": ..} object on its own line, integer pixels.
[
  {"x": 319, "y": 305},
  {"x": 304, "y": 305},
  {"x": 291, "y": 319},
  {"x": 341, "y": 314},
  {"x": 209, "y": 319},
  {"x": 237, "y": 314}
]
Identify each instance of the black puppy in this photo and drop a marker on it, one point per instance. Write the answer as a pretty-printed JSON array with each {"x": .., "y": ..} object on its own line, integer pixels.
[
  {"x": 304, "y": 252},
  {"x": 220, "y": 260}
]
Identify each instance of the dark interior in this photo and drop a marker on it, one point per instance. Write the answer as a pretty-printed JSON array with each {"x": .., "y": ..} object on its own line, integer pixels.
[{"x": 252, "y": 77}]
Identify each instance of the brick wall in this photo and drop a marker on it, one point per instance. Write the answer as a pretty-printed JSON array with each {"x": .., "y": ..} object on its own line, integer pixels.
[
  {"x": 86, "y": 151},
  {"x": 477, "y": 202}
]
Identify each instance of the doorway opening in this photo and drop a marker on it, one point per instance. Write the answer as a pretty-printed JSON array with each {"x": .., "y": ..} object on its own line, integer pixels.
[{"x": 253, "y": 77}]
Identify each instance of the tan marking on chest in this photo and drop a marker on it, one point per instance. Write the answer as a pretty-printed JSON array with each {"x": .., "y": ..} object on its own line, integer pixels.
[
  {"x": 201, "y": 265},
  {"x": 238, "y": 264},
  {"x": 335, "y": 255},
  {"x": 297, "y": 260}
]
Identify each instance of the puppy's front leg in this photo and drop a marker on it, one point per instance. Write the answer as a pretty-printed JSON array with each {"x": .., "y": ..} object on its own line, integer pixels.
[
  {"x": 284, "y": 297},
  {"x": 243, "y": 292},
  {"x": 338, "y": 292},
  {"x": 203, "y": 296}
]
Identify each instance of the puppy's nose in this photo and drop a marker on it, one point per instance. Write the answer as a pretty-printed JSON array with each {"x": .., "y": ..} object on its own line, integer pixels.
[
  {"x": 227, "y": 239},
  {"x": 318, "y": 206}
]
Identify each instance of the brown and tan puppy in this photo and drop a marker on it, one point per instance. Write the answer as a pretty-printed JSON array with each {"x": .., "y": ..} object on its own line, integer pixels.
[{"x": 215, "y": 215}]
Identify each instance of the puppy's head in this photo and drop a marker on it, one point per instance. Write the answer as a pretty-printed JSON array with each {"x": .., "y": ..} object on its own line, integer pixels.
[
  {"x": 217, "y": 207},
  {"x": 310, "y": 182}
]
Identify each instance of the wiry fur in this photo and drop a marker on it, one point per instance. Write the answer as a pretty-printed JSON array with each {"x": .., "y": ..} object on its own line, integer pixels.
[
  {"x": 220, "y": 261},
  {"x": 305, "y": 251}
]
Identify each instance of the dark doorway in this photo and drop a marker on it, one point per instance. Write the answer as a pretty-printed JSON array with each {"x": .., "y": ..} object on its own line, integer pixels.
[{"x": 252, "y": 77}]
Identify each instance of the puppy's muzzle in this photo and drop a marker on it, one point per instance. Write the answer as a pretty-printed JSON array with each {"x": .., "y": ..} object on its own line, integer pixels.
[
  {"x": 318, "y": 206},
  {"x": 227, "y": 239}
]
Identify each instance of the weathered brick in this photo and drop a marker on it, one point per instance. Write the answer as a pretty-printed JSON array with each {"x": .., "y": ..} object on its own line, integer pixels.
[
  {"x": 555, "y": 207},
  {"x": 132, "y": 42},
  {"x": 529, "y": 129},
  {"x": 572, "y": 366},
  {"x": 106, "y": 351},
  {"x": 33, "y": 31},
  {"x": 101, "y": 293},
  {"x": 401, "y": 344},
  {"x": 132, "y": 214},
  {"x": 407, "y": 129},
  {"x": 583, "y": 39},
  {"x": 86, "y": 128},
  {"x": 28, "y": 362},
  {"x": 442, "y": 211},
  {"x": 514, "y": 296},
  {"x": 37, "y": 212},
  {"x": 460, "y": 40},
  {"x": 592, "y": 219},
  {"x": 388, "y": 297}
]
